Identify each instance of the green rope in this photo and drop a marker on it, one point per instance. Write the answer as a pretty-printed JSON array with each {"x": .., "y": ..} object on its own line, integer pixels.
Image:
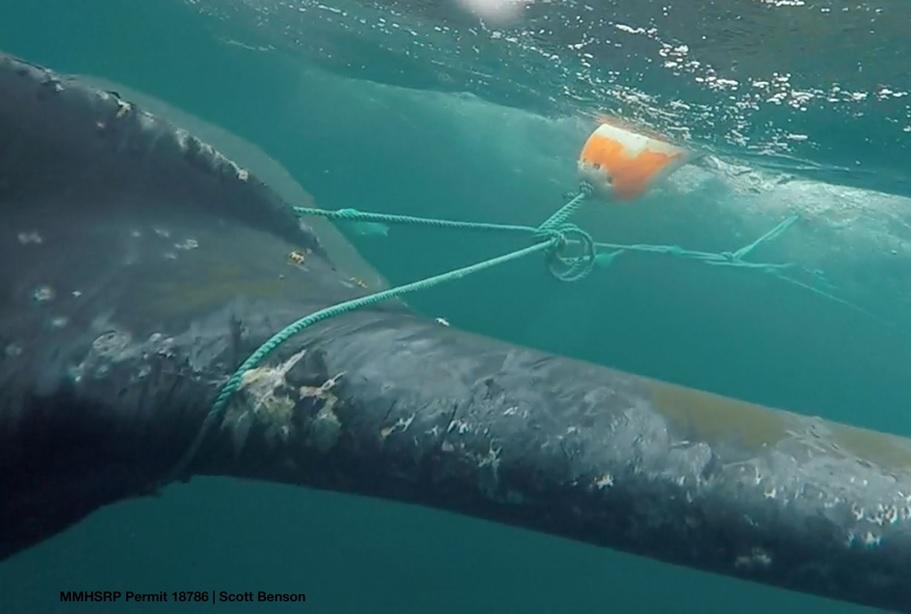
[
  {"x": 354, "y": 215},
  {"x": 234, "y": 382},
  {"x": 733, "y": 259},
  {"x": 784, "y": 225},
  {"x": 554, "y": 236},
  {"x": 570, "y": 208},
  {"x": 561, "y": 265}
]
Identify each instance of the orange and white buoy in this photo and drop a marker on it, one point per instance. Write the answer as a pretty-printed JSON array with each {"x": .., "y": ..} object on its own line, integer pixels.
[{"x": 621, "y": 165}]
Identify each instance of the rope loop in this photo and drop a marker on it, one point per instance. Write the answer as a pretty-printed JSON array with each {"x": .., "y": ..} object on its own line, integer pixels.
[{"x": 571, "y": 256}]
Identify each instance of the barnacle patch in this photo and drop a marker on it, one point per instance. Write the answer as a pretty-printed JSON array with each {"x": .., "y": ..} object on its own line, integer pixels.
[{"x": 264, "y": 400}]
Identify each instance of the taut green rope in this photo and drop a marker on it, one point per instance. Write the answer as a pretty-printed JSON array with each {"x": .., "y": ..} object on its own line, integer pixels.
[
  {"x": 734, "y": 258},
  {"x": 548, "y": 237},
  {"x": 784, "y": 225},
  {"x": 554, "y": 236},
  {"x": 233, "y": 383},
  {"x": 567, "y": 210},
  {"x": 354, "y": 215}
]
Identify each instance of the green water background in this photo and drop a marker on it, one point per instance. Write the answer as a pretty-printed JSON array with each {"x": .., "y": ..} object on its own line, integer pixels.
[{"x": 373, "y": 147}]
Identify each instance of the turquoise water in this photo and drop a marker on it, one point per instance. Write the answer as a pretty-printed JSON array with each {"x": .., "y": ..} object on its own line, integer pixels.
[{"x": 417, "y": 108}]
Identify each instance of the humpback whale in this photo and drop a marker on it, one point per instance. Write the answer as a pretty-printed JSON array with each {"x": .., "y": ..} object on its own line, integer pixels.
[{"x": 139, "y": 266}]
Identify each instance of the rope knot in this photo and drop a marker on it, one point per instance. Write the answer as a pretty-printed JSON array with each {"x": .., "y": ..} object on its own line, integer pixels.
[{"x": 571, "y": 256}]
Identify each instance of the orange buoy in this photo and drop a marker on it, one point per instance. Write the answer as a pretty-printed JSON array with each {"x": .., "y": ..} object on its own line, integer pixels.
[{"x": 621, "y": 164}]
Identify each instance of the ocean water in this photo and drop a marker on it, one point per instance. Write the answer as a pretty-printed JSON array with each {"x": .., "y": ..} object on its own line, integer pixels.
[{"x": 422, "y": 108}]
